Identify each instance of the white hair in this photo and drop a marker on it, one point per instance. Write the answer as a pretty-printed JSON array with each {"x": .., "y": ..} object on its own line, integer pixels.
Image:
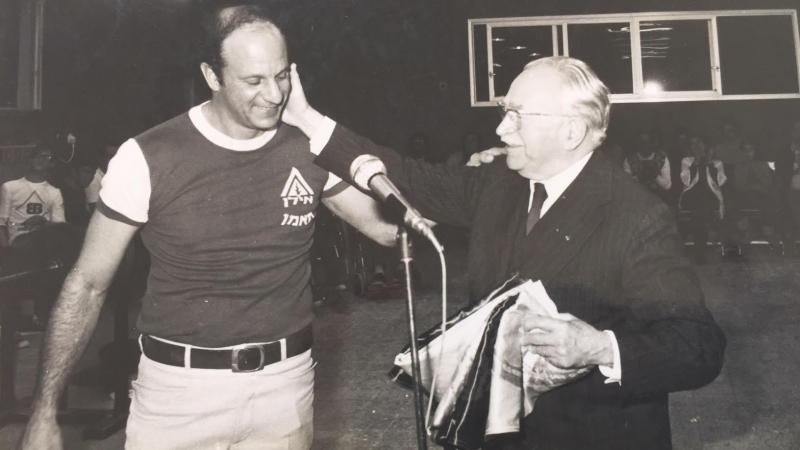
[{"x": 585, "y": 93}]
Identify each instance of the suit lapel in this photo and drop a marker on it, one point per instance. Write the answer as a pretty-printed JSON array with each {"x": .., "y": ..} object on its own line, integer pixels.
[
  {"x": 566, "y": 226},
  {"x": 511, "y": 220}
]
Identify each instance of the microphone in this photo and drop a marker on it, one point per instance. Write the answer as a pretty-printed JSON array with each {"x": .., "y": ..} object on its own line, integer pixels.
[{"x": 369, "y": 173}]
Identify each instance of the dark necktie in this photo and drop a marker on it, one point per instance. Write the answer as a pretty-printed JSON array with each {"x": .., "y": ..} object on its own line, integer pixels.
[{"x": 539, "y": 196}]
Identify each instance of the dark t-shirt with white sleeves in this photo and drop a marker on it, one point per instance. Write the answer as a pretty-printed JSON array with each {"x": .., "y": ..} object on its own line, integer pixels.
[{"x": 228, "y": 224}]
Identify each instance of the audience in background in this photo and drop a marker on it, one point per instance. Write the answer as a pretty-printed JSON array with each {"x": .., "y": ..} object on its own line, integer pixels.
[
  {"x": 650, "y": 166},
  {"x": 754, "y": 188},
  {"x": 471, "y": 143},
  {"x": 419, "y": 146},
  {"x": 615, "y": 151},
  {"x": 33, "y": 232},
  {"x": 729, "y": 148},
  {"x": 90, "y": 178},
  {"x": 788, "y": 175},
  {"x": 71, "y": 180},
  {"x": 702, "y": 176}
]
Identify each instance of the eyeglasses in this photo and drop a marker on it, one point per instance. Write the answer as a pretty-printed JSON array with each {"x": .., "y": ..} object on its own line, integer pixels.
[{"x": 515, "y": 115}]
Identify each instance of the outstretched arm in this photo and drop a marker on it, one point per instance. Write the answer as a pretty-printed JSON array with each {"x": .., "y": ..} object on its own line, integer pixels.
[
  {"x": 443, "y": 194},
  {"x": 72, "y": 323},
  {"x": 362, "y": 212}
]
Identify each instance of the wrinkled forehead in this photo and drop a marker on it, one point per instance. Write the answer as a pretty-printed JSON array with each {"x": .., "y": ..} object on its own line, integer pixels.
[{"x": 535, "y": 86}]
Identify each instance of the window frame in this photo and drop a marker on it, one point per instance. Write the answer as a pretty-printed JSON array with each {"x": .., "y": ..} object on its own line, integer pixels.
[
  {"x": 29, "y": 64},
  {"x": 634, "y": 20}
]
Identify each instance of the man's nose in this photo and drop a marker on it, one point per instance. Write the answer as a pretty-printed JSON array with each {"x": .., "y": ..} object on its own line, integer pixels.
[
  {"x": 506, "y": 126},
  {"x": 271, "y": 92}
]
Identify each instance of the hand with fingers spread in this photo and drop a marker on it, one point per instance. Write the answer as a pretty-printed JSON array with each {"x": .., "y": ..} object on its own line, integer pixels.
[
  {"x": 566, "y": 341},
  {"x": 298, "y": 111}
]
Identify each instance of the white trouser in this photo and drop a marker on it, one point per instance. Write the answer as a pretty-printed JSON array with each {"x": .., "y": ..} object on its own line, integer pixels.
[{"x": 178, "y": 408}]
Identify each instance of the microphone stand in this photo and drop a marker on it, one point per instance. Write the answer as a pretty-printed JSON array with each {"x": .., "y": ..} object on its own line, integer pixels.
[{"x": 419, "y": 408}]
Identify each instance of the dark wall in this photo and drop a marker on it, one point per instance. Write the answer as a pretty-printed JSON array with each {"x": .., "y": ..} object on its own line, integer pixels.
[
  {"x": 765, "y": 121},
  {"x": 389, "y": 69},
  {"x": 394, "y": 68},
  {"x": 111, "y": 68}
]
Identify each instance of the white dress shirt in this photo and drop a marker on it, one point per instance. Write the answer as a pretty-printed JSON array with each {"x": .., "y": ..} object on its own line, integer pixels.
[{"x": 555, "y": 186}]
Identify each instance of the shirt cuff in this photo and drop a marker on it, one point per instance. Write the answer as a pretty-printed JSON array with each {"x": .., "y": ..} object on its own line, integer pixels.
[
  {"x": 613, "y": 373},
  {"x": 322, "y": 134}
]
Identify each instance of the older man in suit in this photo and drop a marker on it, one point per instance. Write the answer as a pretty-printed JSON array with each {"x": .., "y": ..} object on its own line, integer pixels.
[{"x": 557, "y": 210}]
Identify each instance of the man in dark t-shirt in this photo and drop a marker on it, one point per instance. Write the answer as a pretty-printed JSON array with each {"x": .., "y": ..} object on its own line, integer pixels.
[{"x": 225, "y": 197}]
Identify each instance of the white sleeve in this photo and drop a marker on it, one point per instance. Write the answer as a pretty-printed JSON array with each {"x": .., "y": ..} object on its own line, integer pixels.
[
  {"x": 126, "y": 187},
  {"x": 322, "y": 135},
  {"x": 57, "y": 208},
  {"x": 318, "y": 141},
  {"x": 613, "y": 374}
]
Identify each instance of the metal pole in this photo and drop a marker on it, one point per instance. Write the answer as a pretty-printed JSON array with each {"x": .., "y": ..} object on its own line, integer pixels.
[{"x": 419, "y": 406}]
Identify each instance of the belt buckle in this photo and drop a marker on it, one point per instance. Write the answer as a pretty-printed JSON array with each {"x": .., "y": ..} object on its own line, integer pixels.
[{"x": 237, "y": 365}]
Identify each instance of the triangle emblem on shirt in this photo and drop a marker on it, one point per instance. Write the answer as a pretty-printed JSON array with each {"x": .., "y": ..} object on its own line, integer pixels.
[{"x": 296, "y": 191}]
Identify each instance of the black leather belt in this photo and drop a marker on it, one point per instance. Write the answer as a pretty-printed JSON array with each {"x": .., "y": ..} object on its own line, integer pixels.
[{"x": 242, "y": 358}]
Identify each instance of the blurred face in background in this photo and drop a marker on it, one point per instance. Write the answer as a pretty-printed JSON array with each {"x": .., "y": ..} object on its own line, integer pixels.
[
  {"x": 646, "y": 144},
  {"x": 42, "y": 161},
  {"x": 729, "y": 131},
  {"x": 697, "y": 147},
  {"x": 749, "y": 149}
]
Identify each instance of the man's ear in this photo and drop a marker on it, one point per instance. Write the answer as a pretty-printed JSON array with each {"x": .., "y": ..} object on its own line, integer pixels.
[
  {"x": 212, "y": 80},
  {"x": 574, "y": 132}
]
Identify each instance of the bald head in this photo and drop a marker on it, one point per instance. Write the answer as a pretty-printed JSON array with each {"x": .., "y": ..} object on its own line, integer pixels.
[{"x": 223, "y": 20}]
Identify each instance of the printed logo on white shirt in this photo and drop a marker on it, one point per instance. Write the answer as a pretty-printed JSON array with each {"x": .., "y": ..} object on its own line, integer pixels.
[
  {"x": 296, "y": 191},
  {"x": 33, "y": 205}
]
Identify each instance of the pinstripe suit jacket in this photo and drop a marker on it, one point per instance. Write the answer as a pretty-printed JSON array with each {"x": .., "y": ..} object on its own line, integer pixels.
[{"x": 607, "y": 252}]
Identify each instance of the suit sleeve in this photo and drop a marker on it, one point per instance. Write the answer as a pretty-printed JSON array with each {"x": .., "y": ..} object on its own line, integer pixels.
[
  {"x": 443, "y": 193},
  {"x": 670, "y": 342}
]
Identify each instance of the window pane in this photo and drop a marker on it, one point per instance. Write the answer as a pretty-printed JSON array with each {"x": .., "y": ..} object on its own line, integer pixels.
[
  {"x": 675, "y": 55},
  {"x": 757, "y": 55},
  {"x": 481, "y": 72},
  {"x": 513, "y": 47},
  {"x": 606, "y": 47},
  {"x": 9, "y": 53}
]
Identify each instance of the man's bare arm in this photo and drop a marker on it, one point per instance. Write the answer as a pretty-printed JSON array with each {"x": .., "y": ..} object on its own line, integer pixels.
[
  {"x": 362, "y": 212},
  {"x": 72, "y": 322}
]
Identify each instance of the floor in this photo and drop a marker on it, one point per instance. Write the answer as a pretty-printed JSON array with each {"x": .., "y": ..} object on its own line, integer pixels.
[{"x": 754, "y": 404}]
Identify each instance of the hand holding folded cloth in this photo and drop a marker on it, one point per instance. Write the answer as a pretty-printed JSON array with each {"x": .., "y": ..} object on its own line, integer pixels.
[
  {"x": 539, "y": 376},
  {"x": 488, "y": 373},
  {"x": 524, "y": 361}
]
